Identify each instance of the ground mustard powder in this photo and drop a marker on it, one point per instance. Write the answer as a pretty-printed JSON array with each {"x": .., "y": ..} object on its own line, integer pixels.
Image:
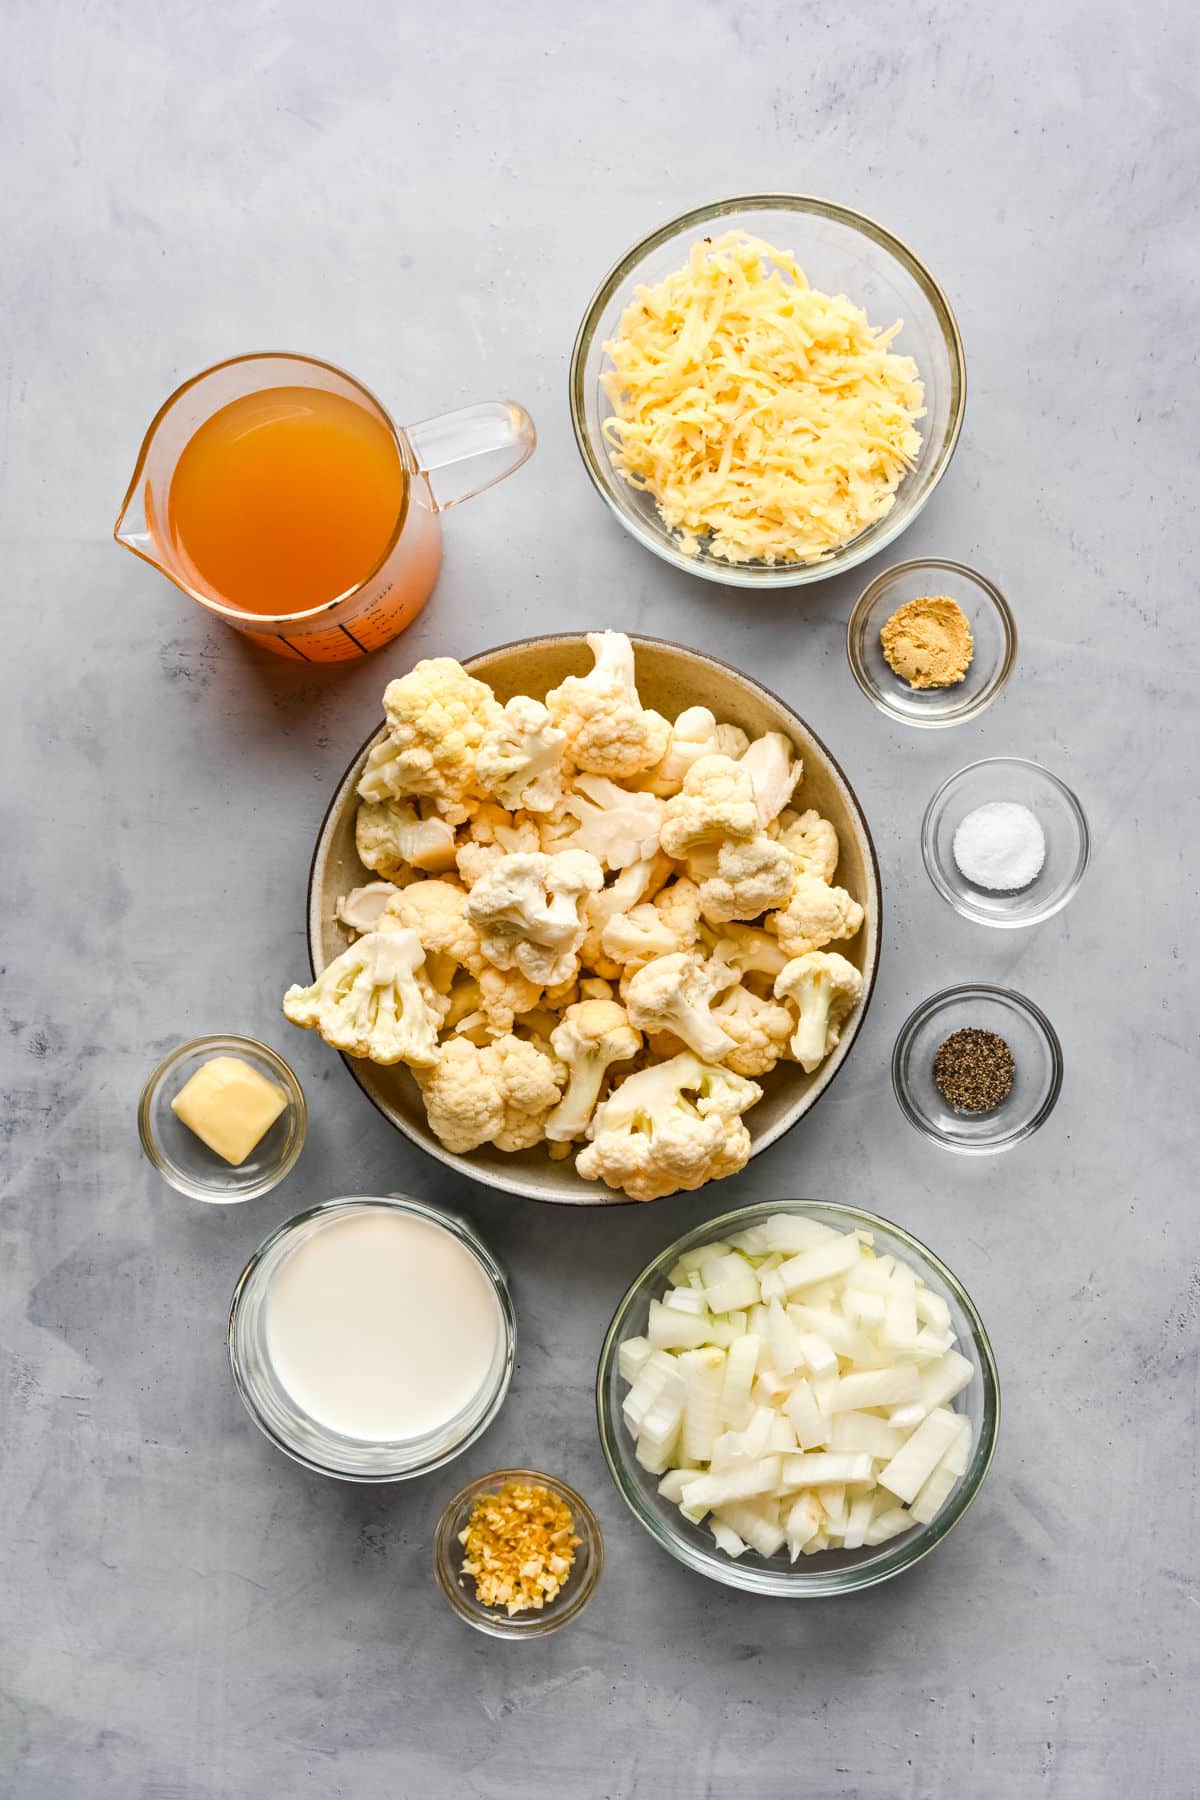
[{"x": 928, "y": 643}]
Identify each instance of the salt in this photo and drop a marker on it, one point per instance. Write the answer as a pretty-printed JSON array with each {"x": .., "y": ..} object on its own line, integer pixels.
[{"x": 1000, "y": 846}]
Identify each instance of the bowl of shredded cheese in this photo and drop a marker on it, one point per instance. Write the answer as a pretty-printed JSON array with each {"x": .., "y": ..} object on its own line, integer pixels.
[{"x": 767, "y": 390}]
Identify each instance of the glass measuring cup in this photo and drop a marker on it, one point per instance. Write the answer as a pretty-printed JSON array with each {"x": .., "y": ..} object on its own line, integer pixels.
[{"x": 444, "y": 460}]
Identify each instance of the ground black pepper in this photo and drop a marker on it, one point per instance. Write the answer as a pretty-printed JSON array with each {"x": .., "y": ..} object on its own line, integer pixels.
[{"x": 974, "y": 1070}]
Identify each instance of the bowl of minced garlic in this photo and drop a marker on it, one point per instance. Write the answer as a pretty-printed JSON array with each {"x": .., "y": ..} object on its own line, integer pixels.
[
  {"x": 517, "y": 1553},
  {"x": 928, "y": 643}
]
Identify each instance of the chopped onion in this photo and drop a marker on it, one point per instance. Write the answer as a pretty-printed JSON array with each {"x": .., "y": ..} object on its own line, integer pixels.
[{"x": 794, "y": 1390}]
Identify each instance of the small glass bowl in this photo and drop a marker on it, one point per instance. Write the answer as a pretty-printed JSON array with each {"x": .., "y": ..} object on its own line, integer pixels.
[
  {"x": 841, "y": 252},
  {"x": 459, "y": 1590},
  {"x": 1062, "y": 820},
  {"x": 184, "y": 1160},
  {"x": 832, "y": 1571},
  {"x": 992, "y": 629},
  {"x": 1037, "y": 1077},
  {"x": 310, "y": 1441}
]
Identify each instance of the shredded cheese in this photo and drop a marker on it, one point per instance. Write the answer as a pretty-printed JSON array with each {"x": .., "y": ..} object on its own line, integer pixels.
[{"x": 769, "y": 421}]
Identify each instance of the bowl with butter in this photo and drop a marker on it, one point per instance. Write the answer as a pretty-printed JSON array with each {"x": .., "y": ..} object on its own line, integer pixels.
[{"x": 222, "y": 1119}]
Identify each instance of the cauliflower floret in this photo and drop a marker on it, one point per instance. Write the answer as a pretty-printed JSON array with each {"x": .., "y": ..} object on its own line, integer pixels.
[
  {"x": 617, "y": 826},
  {"x": 608, "y": 730},
  {"x": 815, "y": 915},
  {"x": 679, "y": 904},
  {"x": 498, "y": 1094},
  {"x": 590, "y": 1037},
  {"x": 760, "y": 1029},
  {"x": 715, "y": 805},
  {"x": 670, "y": 922},
  {"x": 749, "y": 950},
  {"x": 528, "y": 912},
  {"x": 370, "y": 1001},
  {"x": 638, "y": 936},
  {"x": 505, "y": 994},
  {"x": 651, "y": 1138},
  {"x": 391, "y": 837},
  {"x": 491, "y": 834},
  {"x": 464, "y": 1004},
  {"x": 634, "y": 883},
  {"x": 437, "y": 912},
  {"x": 519, "y": 759},
  {"x": 463, "y": 1103},
  {"x": 529, "y": 1082},
  {"x": 741, "y": 881},
  {"x": 811, "y": 842},
  {"x": 437, "y": 715},
  {"x": 775, "y": 770},
  {"x": 674, "y": 993},
  {"x": 359, "y": 910},
  {"x": 694, "y": 734},
  {"x": 825, "y": 988}
]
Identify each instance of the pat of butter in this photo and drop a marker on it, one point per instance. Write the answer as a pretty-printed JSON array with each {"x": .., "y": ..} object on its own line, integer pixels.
[{"x": 229, "y": 1106}]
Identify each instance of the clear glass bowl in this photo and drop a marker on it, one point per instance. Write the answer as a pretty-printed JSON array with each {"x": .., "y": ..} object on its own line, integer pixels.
[
  {"x": 1062, "y": 820},
  {"x": 1037, "y": 1077},
  {"x": 832, "y": 1571},
  {"x": 840, "y": 251},
  {"x": 311, "y": 1441},
  {"x": 992, "y": 629},
  {"x": 184, "y": 1160},
  {"x": 459, "y": 1590}
]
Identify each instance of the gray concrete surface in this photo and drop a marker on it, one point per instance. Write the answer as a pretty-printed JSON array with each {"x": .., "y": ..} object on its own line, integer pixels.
[{"x": 429, "y": 200}]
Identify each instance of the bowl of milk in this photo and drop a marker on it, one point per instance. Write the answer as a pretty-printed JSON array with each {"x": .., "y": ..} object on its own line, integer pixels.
[{"x": 372, "y": 1338}]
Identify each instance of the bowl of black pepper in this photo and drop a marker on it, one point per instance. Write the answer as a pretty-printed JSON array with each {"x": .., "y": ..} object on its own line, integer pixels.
[{"x": 977, "y": 1069}]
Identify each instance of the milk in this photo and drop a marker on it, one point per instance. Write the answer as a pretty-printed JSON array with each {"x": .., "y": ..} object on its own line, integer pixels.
[{"x": 382, "y": 1326}]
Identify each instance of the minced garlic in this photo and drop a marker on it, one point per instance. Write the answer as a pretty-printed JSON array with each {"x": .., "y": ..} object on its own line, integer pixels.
[{"x": 520, "y": 1546}]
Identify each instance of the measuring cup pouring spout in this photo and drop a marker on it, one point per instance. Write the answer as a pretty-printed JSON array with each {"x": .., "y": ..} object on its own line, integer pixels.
[{"x": 432, "y": 466}]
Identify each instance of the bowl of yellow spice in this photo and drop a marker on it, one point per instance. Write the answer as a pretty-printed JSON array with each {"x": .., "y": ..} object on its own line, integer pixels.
[
  {"x": 931, "y": 643},
  {"x": 517, "y": 1553}
]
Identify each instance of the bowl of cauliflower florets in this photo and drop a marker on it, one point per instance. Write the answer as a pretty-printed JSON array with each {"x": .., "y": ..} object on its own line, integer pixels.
[{"x": 591, "y": 919}]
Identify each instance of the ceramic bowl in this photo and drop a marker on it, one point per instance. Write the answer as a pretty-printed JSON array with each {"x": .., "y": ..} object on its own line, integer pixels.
[{"x": 670, "y": 677}]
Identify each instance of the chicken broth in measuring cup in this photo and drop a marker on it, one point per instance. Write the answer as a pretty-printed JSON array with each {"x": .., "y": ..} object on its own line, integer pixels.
[{"x": 285, "y": 499}]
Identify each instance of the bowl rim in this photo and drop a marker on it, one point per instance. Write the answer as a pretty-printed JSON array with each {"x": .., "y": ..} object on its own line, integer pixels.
[
  {"x": 797, "y": 1583},
  {"x": 960, "y": 902},
  {"x": 521, "y": 1626},
  {"x": 980, "y": 701},
  {"x": 433, "y": 1214},
  {"x": 170, "y": 1172},
  {"x": 858, "y": 550},
  {"x": 461, "y": 1164},
  {"x": 934, "y": 1004}
]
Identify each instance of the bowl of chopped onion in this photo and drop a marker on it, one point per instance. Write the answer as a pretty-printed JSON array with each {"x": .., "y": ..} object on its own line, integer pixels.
[
  {"x": 767, "y": 390},
  {"x": 797, "y": 1399}
]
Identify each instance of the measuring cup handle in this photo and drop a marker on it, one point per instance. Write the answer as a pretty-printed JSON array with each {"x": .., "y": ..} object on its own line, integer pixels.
[{"x": 461, "y": 453}]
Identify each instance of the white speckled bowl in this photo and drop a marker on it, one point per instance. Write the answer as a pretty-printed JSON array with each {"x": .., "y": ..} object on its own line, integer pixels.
[{"x": 670, "y": 677}]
